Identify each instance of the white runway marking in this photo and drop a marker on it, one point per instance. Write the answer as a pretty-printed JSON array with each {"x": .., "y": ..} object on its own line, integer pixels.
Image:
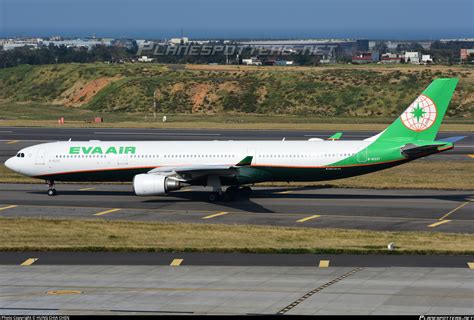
[
  {"x": 30, "y": 140},
  {"x": 158, "y": 133},
  {"x": 346, "y": 135}
]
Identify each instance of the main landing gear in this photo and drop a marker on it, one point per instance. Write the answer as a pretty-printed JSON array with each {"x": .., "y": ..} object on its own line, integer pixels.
[
  {"x": 230, "y": 194},
  {"x": 51, "y": 190}
]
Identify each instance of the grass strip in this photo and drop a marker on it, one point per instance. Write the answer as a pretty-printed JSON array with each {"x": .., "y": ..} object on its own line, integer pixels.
[
  {"x": 104, "y": 235},
  {"x": 193, "y": 124}
]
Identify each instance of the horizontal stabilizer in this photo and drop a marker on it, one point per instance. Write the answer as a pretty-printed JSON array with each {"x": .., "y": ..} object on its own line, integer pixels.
[
  {"x": 453, "y": 139},
  {"x": 413, "y": 151}
]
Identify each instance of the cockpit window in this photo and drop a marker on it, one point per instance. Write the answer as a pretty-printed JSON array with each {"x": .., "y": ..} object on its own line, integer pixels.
[{"x": 20, "y": 155}]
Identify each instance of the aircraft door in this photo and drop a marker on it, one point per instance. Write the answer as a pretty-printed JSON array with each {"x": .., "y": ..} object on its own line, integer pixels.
[
  {"x": 123, "y": 159},
  {"x": 362, "y": 156},
  {"x": 40, "y": 157},
  {"x": 251, "y": 152}
]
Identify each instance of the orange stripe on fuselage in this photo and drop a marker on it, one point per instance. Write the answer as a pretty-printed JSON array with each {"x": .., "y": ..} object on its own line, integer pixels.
[
  {"x": 97, "y": 170},
  {"x": 447, "y": 148},
  {"x": 254, "y": 165}
]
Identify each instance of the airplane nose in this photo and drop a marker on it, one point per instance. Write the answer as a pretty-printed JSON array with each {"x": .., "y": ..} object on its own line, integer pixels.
[{"x": 9, "y": 164}]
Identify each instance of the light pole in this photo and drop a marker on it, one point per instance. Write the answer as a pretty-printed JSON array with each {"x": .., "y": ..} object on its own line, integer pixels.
[{"x": 154, "y": 105}]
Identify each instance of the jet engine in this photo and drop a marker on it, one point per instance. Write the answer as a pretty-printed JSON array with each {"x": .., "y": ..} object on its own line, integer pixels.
[{"x": 154, "y": 184}]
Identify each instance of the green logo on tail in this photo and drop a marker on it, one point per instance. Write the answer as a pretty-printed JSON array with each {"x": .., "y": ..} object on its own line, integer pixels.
[{"x": 420, "y": 115}]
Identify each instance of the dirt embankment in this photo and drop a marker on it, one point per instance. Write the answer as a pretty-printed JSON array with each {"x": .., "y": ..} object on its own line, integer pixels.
[{"x": 82, "y": 92}]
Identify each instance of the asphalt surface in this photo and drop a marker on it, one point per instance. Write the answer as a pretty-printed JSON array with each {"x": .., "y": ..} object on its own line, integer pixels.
[
  {"x": 14, "y": 138},
  {"x": 236, "y": 259},
  {"x": 365, "y": 209},
  {"x": 183, "y": 290}
]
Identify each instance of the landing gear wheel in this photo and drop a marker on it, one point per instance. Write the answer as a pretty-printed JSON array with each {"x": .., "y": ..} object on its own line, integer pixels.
[
  {"x": 246, "y": 191},
  {"x": 226, "y": 197},
  {"x": 213, "y": 197},
  {"x": 51, "y": 190},
  {"x": 231, "y": 193}
]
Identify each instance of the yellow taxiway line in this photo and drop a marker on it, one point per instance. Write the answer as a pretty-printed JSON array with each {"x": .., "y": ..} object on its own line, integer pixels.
[
  {"x": 215, "y": 215},
  {"x": 29, "y": 262},
  {"x": 12, "y": 141},
  {"x": 324, "y": 263},
  {"x": 8, "y": 207},
  {"x": 308, "y": 218},
  {"x": 105, "y": 212},
  {"x": 454, "y": 210},
  {"x": 59, "y": 292},
  {"x": 438, "y": 223},
  {"x": 470, "y": 265},
  {"x": 176, "y": 262}
]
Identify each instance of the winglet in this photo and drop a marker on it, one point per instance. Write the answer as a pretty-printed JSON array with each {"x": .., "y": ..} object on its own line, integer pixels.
[
  {"x": 245, "y": 161},
  {"x": 335, "y": 136}
]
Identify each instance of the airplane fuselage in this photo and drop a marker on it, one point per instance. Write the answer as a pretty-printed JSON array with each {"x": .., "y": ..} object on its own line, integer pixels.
[{"x": 272, "y": 160}]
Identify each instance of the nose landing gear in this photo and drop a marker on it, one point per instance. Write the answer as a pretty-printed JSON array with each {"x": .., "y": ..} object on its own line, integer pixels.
[{"x": 51, "y": 190}]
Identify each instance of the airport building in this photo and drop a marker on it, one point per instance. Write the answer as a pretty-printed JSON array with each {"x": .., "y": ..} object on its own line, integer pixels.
[
  {"x": 366, "y": 57},
  {"x": 391, "y": 58},
  {"x": 465, "y": 53},
  {"x": 145, "y": 59},
  {"x": 362, "y": 45},
  {"x": 253, "y": 61},
  {"x": 178, "y": 41},
  {"x": 426, "y": 59},
  {"x": 10, "y": 44},
  {"x": 412, "y": 57},
  {"x": 79, "y": 43}
]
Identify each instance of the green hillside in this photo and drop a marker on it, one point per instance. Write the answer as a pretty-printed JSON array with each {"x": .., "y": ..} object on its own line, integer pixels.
[{"x": 322, "y": 91}]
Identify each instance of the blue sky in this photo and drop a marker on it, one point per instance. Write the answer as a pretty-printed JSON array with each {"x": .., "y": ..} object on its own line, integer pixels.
[{"x": 395, "y": 19}]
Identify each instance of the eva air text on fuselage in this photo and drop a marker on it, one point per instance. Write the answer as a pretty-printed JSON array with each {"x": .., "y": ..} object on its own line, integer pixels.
[{"x": 100, "y": 150}]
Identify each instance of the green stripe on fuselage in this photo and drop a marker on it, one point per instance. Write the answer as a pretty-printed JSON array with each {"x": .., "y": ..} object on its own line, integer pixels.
[
  {"x": 375, "y": 153},
  {"x": 247, "y": 175},
  {"x": 306, "y": 174}
]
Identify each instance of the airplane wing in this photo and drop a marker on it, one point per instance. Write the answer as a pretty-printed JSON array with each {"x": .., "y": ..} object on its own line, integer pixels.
[{"x": 186, "y": 173}]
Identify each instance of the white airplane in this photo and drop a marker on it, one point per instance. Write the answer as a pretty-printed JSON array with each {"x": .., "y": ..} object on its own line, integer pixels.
[{"x": 157, "y": 168}]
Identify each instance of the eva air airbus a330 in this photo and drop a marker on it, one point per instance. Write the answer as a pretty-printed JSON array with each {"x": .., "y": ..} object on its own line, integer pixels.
[{"x": 157, "y": 168}]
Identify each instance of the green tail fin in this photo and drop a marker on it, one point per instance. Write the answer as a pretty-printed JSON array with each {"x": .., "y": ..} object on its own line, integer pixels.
[{"x": 422, "y": 119}]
